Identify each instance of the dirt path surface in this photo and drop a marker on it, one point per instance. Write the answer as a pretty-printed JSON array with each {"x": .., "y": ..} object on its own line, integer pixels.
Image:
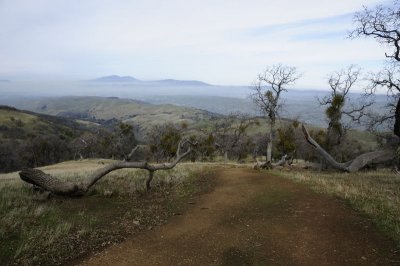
[{"x": 252, "y": 218}]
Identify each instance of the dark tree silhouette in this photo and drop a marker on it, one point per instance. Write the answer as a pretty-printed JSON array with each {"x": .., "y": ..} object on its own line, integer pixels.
[{"x": 382, "y": 23}]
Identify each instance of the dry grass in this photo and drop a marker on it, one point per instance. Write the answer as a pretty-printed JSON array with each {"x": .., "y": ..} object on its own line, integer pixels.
[
  {"x": 374, "y": 193},
  {"x": 62, "y": 229}
]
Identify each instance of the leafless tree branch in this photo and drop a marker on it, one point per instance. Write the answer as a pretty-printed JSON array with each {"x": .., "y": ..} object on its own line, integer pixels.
[{"x": 60, "y": 187}]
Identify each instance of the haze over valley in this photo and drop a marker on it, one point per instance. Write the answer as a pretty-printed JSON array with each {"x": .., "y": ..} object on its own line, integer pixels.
[{"x": 299, "y": 103}]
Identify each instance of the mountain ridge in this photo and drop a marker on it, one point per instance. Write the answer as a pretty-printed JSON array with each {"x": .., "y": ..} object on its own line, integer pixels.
[
  {"x": 164, "y": 82},
  {"x": 114, "y": 78}
]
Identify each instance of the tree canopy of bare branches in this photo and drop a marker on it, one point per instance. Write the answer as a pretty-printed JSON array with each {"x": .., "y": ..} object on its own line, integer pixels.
[
  {"x": 230, "y": 134},
  {"x": 389, "y": 79},
  {"x": 267, "y": 91},
  {"x": 339, "y": 104},
  {"x": 382, "y": 23}
]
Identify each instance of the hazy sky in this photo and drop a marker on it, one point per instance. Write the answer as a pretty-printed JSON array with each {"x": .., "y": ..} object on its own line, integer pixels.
[{"x": 217, "y": 41}]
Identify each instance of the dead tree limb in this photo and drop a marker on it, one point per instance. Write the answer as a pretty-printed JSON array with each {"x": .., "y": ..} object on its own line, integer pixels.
[
  {"x": 281, "y": 162},
  {"x": 269, "y": 165},
  {"x": 354, "y": 165},
  {"x": 129, "y": 156},
  {"x": 59, "y": 187}
]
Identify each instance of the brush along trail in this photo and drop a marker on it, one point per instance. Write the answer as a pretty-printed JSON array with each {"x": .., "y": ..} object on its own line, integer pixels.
[{"x": 254, "y": 218}]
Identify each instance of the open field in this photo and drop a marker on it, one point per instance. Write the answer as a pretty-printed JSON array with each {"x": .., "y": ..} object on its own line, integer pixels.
[{"x": 33, "y": 231}]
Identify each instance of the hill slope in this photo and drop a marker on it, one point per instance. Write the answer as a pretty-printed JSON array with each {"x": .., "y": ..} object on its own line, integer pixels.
[
  {"x": 141, "y": 114},
  {"x": 115, "y": 78},
  {"x": 20, "y": 125},
  {"x": 29, "y": 140}
]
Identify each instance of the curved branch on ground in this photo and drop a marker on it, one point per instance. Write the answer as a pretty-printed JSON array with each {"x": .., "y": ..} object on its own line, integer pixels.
[
  {"x": 59, "y": 187},
  {"x": 351, "y": 166}
]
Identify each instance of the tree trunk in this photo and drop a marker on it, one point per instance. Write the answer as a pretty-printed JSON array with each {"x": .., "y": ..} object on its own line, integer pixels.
[
  {"x": 225, "y": 157},
  {"x": 352, "y": 166},
  {"x": 269, "y": 145},
  {"x": 396, "y": 128},
  {"x": 59, "y": 187},
  {"x": 149, "y": 179}
]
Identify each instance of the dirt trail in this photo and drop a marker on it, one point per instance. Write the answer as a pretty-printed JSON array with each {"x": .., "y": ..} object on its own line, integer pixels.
[{"x": 252, "y": 218}]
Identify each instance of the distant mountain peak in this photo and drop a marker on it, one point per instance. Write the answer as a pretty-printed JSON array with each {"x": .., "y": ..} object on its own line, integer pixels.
[
  {"x": 5, "y": 80},
  {"x": 182, "y": 82},
  {"x": 164, "y": 82},
  {"x": 115, "y": 78}
]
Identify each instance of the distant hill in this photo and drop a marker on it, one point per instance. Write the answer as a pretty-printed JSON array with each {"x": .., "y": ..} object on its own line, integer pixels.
[
  {"x": 115, "y": 78},
  {"x": 161, "y": 82},
  {"x": 5, "y": 80},
  {"x": 140, "y": 114},
  {"x": 175, "y": 82},
  {"x": 28, "y": 139},
  {"x": 18, "y": 124}
]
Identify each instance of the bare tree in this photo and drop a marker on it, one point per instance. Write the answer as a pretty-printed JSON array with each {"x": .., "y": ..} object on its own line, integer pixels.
[
  {"x": 267, "y": 91},
  {"x": 389, "y": 79},
  {"x": 382, "y": 23},
  {"x": 230, "y": 133},
  {"x": 339, "y": 104},
  {"x": 56, "y": 186}
]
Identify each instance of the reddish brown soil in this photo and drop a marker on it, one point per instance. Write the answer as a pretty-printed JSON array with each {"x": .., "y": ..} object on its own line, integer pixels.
[{"x": 252, "y": 218}]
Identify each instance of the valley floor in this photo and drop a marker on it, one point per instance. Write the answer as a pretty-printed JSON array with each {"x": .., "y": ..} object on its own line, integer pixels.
[{"x": 255, "y": 218}]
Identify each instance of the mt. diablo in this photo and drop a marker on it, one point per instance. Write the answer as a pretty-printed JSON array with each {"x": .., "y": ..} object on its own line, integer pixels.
[{"x": 163, "y": 82}]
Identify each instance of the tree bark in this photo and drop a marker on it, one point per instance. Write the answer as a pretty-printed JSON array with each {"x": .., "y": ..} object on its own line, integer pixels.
[
  {"x": 396, "y": 128},
  {"x": 149, "y": 179},
  {"x": 354, "y": 165},
  {"x": 59, "y": 187},
  {"x": 269, "y": 144}
]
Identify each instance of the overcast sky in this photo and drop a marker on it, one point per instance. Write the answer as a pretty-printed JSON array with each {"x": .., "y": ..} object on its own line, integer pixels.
[{"x": 216, "y": 41}]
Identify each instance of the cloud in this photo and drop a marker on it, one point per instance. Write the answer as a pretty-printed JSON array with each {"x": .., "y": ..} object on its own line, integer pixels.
[
  {"x": 334, "y": 21},
  {"x": 221, "y": 42}
]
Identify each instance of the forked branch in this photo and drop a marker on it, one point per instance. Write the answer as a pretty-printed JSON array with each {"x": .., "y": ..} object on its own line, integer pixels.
[{"x": 59, "y": 187}]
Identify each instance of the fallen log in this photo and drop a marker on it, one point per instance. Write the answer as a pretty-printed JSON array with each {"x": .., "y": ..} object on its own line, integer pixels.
[
  {"x": 354, "y": 165},
  {"x": 56, "y": 186}
]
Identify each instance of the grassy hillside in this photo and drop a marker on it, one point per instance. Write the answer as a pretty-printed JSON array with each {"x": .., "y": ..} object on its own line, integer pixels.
[
  {"x": 144, "y": 116},
  {"x": 141, "y": 114},
  {"x": 20, "y": 125},
  {"x": 28, "y": 139}
]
